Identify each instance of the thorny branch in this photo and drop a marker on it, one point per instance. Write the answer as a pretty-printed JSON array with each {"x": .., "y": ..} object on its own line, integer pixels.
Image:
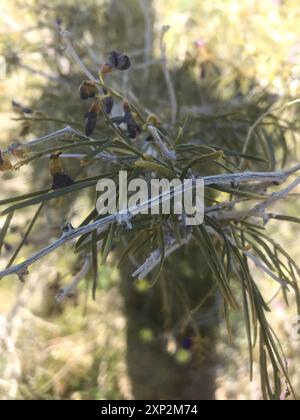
[
  {"x": 56, "y": 135},
  {"x": 264, "y": 179},
  {"x": 226, "y": 212},
  {"x": 252, "y": 177},
  {"x": 53, "y": 135},
  {"x": 259, "y": 209},
  {"x": 278, "y": 177},
  {"x": 154, "y": 259}
]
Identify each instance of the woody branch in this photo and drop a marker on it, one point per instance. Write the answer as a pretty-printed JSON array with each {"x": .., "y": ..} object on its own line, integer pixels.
[{"x": 226, "y": 179}]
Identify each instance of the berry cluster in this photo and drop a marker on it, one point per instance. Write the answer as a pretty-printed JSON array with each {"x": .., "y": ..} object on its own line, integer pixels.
[{"x": 89, "y": 90}]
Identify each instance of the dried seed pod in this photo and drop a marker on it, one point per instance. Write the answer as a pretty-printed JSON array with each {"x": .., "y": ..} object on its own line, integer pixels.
[
  {"x": 5, "y": 164},
  {"x": 123, "y": 62},
  {"x": 91, "y": 118},
  {"x": 61, "y": 180},
  {"x": 106, "y": 68},
  {"x": 83, "y": 92},
  {"x": 95, "y": 107},
  {"x": 90, "y": 123},
  {"x": 91, "y": 87},
  {"x": 116, "y": 60},
  {"x": 108, "y": 103},
  {"x": 87, "y": 89},
  {"x": 55, "y": 165},
  {"x": 132, "y": 127},
  {"x": 112, "y": 59}
]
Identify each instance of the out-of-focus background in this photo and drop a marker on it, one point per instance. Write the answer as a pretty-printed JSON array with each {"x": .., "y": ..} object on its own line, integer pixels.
[{"x": 221, "y": 55}]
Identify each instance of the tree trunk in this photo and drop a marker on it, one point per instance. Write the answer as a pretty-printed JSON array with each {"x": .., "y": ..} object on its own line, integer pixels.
[{"x": 168, "y": 311}]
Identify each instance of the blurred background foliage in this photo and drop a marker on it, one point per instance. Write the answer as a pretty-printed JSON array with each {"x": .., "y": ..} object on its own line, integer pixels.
[{"x": 230, "y": 61}]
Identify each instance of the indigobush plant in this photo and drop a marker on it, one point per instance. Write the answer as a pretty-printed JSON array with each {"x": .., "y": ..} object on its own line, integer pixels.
[{"x": 140, "y": 143}]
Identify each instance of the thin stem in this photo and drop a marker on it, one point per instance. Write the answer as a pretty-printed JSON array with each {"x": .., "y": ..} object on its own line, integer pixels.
[
  {"x": 259, "y": 121},
  {"x": 58, "y": 120},
  {"x": 41, "y": 140},
  {"x": 69, "y": 290},
  {"x": 167, "y": 76},
  {"x": 71, "y": 51}
]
